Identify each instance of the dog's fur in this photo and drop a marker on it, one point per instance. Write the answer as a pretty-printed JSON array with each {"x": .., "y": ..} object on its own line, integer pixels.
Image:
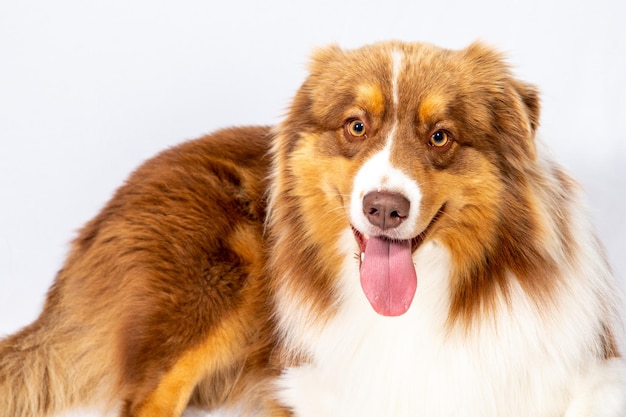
[{"x": 228, "y": 272}]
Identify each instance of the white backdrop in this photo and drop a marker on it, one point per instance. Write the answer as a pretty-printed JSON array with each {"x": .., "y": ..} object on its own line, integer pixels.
[{"x": 90, "y": 89}]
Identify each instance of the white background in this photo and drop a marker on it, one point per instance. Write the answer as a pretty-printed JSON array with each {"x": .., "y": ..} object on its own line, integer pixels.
[{"x": 90, "y": 89}]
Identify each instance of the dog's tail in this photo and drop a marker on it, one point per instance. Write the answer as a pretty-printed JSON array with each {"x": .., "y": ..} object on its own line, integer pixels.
[{"x": 50, "y": 366}]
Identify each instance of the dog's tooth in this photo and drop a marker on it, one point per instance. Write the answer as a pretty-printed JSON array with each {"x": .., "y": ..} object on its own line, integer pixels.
[{"x": 362, "y": 256}]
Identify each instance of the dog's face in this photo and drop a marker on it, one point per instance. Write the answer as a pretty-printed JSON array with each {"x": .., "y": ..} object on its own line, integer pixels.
[{"x": 405, "y": 143}]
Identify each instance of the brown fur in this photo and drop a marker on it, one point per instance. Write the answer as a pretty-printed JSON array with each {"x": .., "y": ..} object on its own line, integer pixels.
[
  {"x": 166, "y": 297},
  {"x": 160, "y": 292}
]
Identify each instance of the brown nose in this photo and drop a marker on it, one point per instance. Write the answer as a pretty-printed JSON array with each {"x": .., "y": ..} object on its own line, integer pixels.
[{"x": 385, "y": 210}]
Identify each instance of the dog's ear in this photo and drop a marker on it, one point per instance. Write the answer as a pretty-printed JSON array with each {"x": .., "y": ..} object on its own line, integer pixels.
[
  {"x": 321, "y": 57},
  {"x": 306, "y": 109},
  {"x": 488, "y": 61},
  {"x": 514, "y": 104},
  {"x": 525, "y": 109},
  {"x": 530, "y": 97}
]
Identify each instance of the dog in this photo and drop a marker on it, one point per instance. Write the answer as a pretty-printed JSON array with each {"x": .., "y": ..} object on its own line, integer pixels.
[{"x": 400, "y": 245}]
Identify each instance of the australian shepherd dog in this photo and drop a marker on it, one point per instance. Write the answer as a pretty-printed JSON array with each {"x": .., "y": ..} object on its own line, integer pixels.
[{"x": 399, "y": 246}]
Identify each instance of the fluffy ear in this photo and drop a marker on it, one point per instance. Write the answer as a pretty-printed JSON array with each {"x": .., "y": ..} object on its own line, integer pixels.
[
  {"x": 528, "y": 113},
  {"x": 322, "y": 57},
  {"x": 486, "y": 58},
  {"x": 514, "y": 103},
  {"x": 522, "y": 119},
  {"x": 530, "y": 97}
]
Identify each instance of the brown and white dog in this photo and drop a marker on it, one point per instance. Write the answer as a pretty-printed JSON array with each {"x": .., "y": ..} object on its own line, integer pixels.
[{"x": 399, "y": 246}]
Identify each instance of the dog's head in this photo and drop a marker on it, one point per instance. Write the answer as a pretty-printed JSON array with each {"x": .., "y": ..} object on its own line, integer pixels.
[{"x": 405, "y": 143}]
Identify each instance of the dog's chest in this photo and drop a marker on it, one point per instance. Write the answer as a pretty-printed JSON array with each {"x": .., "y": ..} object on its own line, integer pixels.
[{"x": 368, "y": 365}]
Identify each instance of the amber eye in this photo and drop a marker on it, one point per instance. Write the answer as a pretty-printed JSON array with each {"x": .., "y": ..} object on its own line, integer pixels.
[
  {"x": 355, "y": 128},
  {"x": 439, "y": 139}
]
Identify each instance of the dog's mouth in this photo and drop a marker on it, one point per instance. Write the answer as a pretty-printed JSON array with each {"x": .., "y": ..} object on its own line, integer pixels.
[{"x": 388, "y": 276}]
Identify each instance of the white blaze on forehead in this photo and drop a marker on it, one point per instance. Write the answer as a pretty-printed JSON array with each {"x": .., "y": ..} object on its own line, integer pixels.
[
  {"x": 379, "y": 174},
  {"x": 396, "y": 65}
]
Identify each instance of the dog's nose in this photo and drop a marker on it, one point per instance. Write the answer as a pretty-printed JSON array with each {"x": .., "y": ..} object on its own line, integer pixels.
[{"x": 385, "y": 210}]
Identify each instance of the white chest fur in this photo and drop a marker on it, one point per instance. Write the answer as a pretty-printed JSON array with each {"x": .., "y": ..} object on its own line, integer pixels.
[{"x": 524, "y": 364}]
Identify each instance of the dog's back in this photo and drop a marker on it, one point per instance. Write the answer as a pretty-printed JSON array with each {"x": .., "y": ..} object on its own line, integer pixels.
[{"x": 164, "y": 278}]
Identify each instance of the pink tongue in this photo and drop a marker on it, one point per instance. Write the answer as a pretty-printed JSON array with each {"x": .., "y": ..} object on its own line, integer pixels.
[{"x": 388, "y": 276}]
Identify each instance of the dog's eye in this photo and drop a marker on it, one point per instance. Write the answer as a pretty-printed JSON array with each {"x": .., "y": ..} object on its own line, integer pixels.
[
  {"x": 439, "y": 139},
  {"x": 355, "y": 128}
]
